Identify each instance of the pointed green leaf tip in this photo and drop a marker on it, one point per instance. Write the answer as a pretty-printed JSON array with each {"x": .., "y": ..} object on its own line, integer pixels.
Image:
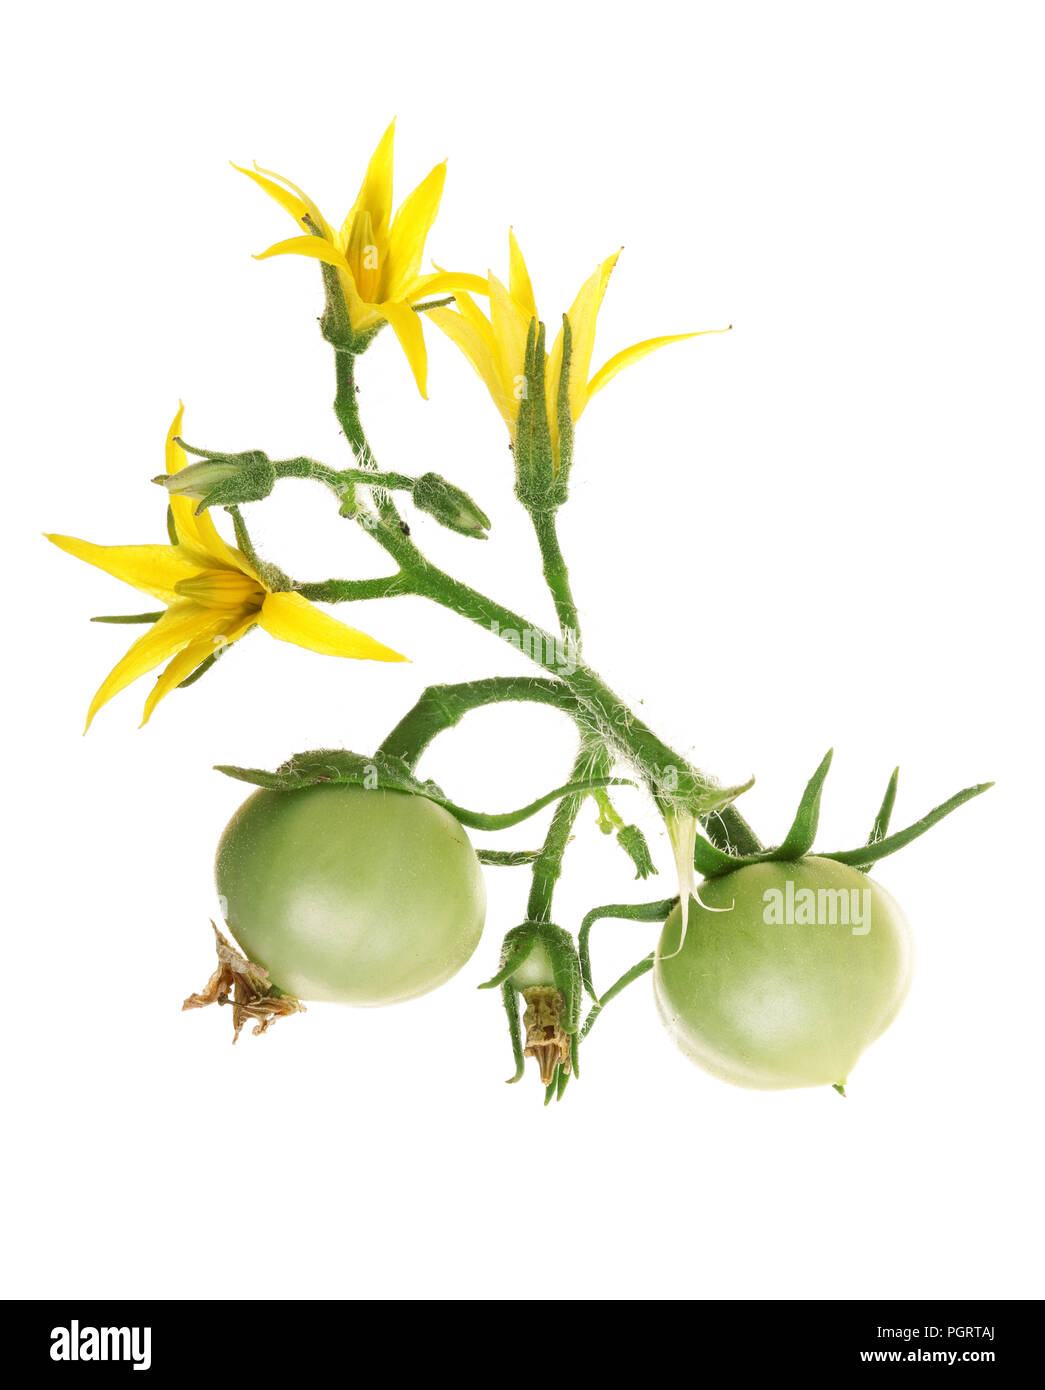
[
  {"x": 799, "y": 839},
  {"x": 130, "y": 617},
  {"x": 885, "y": 812},
  {"x": 510, "y": 1000},
  {"x": 713, "y": 862},
  {"x": 868, "y": 855}
]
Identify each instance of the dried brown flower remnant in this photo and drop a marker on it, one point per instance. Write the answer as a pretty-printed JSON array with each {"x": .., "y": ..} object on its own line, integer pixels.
[
  {"x": 545, "y": 1038},
  {"x": 252, "y": 995}
]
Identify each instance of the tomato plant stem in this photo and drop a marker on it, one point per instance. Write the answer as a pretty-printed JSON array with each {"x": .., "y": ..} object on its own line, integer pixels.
[{"x": 556, "y": 575}]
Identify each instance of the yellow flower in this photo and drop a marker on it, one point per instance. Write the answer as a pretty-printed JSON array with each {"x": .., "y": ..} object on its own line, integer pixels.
[
  {"x": 213, "y": 596},
  {"x": 496, "y": 346},
  {"x": 377, "y": 257}
]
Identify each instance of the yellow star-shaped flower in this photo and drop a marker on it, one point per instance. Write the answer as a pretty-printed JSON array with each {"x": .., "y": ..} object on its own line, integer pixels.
[
  {"x": 377, "y": 257},
  {"x": 213, "y": 596},
  {"x": 496, "y": 346}
]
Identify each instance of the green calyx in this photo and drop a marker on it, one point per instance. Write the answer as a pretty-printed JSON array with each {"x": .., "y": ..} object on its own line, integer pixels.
[
  {"x": 539, "y": 964},
  {"x": 338, "y": 766},
  {"x": 712, "y": 861},
  {"x": 335, "y": 323},
  {"x": 224, "y": 480},
  {"x": 540, "y": 483}
]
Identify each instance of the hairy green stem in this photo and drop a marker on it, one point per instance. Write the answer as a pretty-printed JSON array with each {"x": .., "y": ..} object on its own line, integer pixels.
[
  {"x": 337, "y": 478},
  {"x": 556, "y": 575},
  {"x": 345, "y": 590},
  {"x": 346, "y": 408},
  {"x": 601, "y": 715},
  {"x": 443, "y": 706},
  {"x": 669, "y": 777},
  {"x": 547, "y": 869}
]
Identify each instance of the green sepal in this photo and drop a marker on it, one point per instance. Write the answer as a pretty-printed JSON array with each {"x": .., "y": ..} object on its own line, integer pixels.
[
  {"x": 868, "y": 855},
  {"x": 510, "y": 999},
  {"x": 271, "y": 575},
  {"x": 709, "y": 801},
  {"x": 625, "y": 912},
  {"x": 333, "y": 765},
  {"x": 562, "y": 1076},
  {"x": 642, "y": 967},
  {"x": 713, "y": 862},
  {"x": 536, "y": 485},
  {"x": 130, "y": 617},
  {"x": 885, "y": 812},
  {"x": 379, "y": 770},
  {"x": 221, "y": 479},
  {"x": 799, "y": 839},
  {"x": 562, "y": 409},
  {"x": 201, "y": 669},
  {"x": 566, "y": 971},
  {"x": 335, "y": 323},
  {"x": 560, "y": 953},
  {"x": 516, "y": 949},
  {"x": 507, "y": 858}
]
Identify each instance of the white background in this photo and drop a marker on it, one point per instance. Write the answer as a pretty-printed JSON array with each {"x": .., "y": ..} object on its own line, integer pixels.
[{"x": 822, "y": 529}]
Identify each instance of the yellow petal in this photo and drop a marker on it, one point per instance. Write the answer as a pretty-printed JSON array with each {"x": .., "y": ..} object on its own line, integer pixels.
[
  {"x": 292, "y": 618},
  {"x": 154, "y": 569},
  {"x": 406, "y": 325},
  {"x": 315, "y": 246},
  {"x": 583, "y": 314},
  {"x": 616, "y": 364},
  {"x": 181, "y": 624},
  {"x": 447, "y": 282},
  {"x": 200, "y": 543},
  {"x": 519, "y": 279},
  {"x": 288, "y": 196},
  {"x": 174, "y": 457},
  {"x": 186, "y": 661},
  {"x": 406, "y": 240},
  {"x": 197, "y": 535},
  {"x": 475, "y": 340},
  {"x": 511, "y": 328},
  {"x": 375, "y": 195}
]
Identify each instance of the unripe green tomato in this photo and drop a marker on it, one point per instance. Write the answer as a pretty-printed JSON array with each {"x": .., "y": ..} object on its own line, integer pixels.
[
  {"x": 771, "y": 1003},
  {"x": 361, "y": 897}
]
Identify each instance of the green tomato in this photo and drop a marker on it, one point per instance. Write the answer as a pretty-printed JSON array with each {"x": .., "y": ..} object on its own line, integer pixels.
[
  {"x": 362, "y": 897},
  {"x": 791, "y": 985}
]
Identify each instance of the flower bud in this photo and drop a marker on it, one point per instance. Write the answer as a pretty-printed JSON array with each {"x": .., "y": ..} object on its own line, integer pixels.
[
  {"x": 450, "y": 506},
  {"x": 222, "y": 479}
]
